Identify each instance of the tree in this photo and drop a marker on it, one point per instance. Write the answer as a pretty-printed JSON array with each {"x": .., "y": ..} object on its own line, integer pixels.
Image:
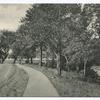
[
  {"x": 65, "y": 30},
  {"x": 49, "y": 29},
  {"x": 7, "y": 39},
  {"x": 24, "y": 46},
  {"x": 85, "y": 30},
  {"x": 35, "y": 28}
]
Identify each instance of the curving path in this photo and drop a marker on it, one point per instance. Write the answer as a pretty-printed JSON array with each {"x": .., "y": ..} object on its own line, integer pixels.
[{"x": 38, "y": 84}]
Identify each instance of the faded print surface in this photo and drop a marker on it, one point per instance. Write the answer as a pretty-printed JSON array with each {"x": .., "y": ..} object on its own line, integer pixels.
[{"x": 10, "y": 15}]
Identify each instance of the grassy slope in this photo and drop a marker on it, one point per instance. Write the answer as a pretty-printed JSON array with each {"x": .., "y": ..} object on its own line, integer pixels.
[
  {"x": 70, "y": 84},
  {"x": 13, "y": 80}
]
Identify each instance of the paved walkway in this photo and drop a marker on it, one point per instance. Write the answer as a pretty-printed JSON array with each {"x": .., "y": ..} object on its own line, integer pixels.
[{"x": 38, "y": 84}]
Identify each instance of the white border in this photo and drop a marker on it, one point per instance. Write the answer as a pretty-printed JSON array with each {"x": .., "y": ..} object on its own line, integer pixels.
[
  {"x": 48, "y": 1},
  {"x": 49, "y": 98}
]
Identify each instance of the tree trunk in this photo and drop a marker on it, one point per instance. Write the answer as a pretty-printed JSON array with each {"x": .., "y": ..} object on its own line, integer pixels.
[
  {"x": 58, "y": 64},
  {"x": 3, "y": 58},
  {"x": 20, "y": 60},
  {"x": 53, "y": 60},
  {"x": 68, "y": 68},
  {"x": 31, "y": 60},
  {"x": 41, "y": 51},
  {"x": 14, "y": 60},
  {"x": 47, "y": 60},
  {"x": 77, "y": 69},
  {"x": 28, "y": 60},
  {"x": 85, "y": 62}
]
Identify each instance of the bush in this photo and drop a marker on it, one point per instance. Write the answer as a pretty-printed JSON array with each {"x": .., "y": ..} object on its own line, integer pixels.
[
  {"x": 51, "y": 64},
  {"x": 92, "y": 74},
  {"x": 27, "y": 61}
]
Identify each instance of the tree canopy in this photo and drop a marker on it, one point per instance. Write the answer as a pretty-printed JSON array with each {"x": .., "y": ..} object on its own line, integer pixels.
[{"x": 62, "y": 31}]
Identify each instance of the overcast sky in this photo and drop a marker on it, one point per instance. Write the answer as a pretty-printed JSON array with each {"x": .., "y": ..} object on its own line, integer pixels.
[{"x": 10, "y": 15}]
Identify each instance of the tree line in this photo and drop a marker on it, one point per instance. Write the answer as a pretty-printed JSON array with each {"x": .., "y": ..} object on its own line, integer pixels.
[{"x": 66, "y": 33}]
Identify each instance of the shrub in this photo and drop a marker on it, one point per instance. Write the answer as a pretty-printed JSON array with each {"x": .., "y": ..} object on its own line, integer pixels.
[
  {"x": 92, "y": 74},
  {"x": 27, "y": 61}
]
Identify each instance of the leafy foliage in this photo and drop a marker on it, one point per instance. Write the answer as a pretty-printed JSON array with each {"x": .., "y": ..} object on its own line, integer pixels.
[
  {"x": 69, "y": 31},
  {"x": 7, "y": 38}
]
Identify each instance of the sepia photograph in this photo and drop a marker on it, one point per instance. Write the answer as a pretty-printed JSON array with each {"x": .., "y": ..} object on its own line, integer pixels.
[{"x": 50, "y": 50}]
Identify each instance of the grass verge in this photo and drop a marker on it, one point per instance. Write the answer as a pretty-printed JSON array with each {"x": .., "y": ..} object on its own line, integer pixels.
[
  {"x": 69, "y": 84},
  {"x": 14, "y": 82}
]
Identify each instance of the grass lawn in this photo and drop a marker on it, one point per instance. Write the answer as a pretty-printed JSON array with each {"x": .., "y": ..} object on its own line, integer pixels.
[
  {"x": 13, "y": 80},
  {"x": 69, "y": 84}
]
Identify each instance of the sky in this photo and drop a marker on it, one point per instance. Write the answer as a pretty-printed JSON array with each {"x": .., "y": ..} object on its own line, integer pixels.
[{"x": 10, "y": 15}]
